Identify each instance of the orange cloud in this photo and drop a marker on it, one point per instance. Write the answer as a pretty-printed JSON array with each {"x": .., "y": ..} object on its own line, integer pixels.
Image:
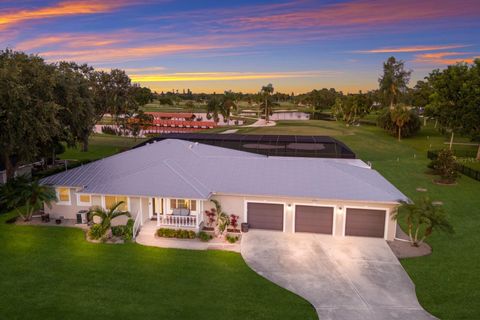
[
  {"x": 71, "y": 41},
  {"x": 412, "y": 49},
  {"x": 220, "y": 76},
  {"x": 127, "y": 53},
  {"x": 445, "y": 58},
  {"x": 360, "y": 13},
  {"x": 64, "y": 8}
]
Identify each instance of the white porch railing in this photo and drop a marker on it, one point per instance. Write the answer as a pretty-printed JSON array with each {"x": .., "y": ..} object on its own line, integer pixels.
[
  {"x": 178, "y": 221},
  {"x": 137, "y": 225}
]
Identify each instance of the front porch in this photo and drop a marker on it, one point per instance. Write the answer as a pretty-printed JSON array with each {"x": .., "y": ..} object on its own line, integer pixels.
[{"x": 171, "y": 213}]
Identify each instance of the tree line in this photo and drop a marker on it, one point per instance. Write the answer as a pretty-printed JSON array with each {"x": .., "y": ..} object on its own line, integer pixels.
[{"x": 43, "y": 105}]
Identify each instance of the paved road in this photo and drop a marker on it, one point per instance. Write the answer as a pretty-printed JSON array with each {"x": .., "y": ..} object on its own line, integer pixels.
[{"x": 343, "y": 278}]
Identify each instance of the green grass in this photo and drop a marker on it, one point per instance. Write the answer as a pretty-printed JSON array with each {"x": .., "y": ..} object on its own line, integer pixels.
[
  {"x": 446, "y": 281},
  {"x": 53, "y": 273},
  {"x": 100, "y": 146}
]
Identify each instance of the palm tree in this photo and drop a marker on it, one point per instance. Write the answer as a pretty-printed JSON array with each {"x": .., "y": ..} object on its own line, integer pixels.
[
  {"x": 411, "y": 217},
  {"x": 400, "y": 116},
  {"x": 222, "y": 220},
  {"x": 214, "y": 108},
  {"x": 266, "y": 92},
  {"x": 26, "y": 196},
  {"x": 394, "y": 80},
  {"x": 108, "y": 215},
  {"x": 227, "y": 105},
  {"x": 424, "y": 217}
]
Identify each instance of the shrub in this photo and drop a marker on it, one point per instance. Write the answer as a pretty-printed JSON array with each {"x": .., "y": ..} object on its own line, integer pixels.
[
  {"x": 204, "y": 236},
  {"x": 410, "y": 128},
  {"x": 176, "y": 233},
  {"x": 232, "y": 239},
  {"x": 445, "y": 166},
  {"x": 234, "y": 221},
  {"x": 96, "y": 231},
  {"x": 124, "y": 231}
]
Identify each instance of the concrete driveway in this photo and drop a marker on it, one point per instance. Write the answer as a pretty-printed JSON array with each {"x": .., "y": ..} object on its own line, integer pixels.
[{"x": 344, "y": 278}]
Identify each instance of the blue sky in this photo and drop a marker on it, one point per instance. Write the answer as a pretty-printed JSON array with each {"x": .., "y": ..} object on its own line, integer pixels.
[{"x": 297, "y": 45}]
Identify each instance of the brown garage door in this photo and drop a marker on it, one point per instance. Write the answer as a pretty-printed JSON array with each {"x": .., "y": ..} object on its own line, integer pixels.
[
  {"x": 265, "y": 216},
  {"x": 365, "y": 223},
  {"x": 314, "y": 219}
]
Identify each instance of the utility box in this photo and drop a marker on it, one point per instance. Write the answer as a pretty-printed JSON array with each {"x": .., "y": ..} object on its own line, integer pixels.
[{"x": 82, "y": 217}]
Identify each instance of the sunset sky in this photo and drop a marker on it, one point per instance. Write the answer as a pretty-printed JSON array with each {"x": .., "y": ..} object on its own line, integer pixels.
[{"x": 208, "y": 45}]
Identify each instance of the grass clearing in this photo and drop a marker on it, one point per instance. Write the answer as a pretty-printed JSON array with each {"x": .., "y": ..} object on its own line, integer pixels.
[
  {"x": 100, "y": 146},
  {"x": 54, "y": 273}
]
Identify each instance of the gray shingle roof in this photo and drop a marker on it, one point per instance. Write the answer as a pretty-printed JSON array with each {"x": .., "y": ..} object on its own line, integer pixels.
[{"x": 175, "y": 168}]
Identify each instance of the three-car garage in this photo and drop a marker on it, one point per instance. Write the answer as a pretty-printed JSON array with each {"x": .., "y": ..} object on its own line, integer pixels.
[{"x": 320, "y": 219}]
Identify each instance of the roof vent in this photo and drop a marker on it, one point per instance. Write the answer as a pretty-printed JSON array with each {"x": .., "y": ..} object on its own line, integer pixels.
[{"x": 190, "y": 146}]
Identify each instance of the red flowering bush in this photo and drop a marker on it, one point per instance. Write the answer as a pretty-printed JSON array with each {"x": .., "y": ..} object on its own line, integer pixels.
[
  {"x": 234, "y": 221},
  {"x": 211, "y": 215}
]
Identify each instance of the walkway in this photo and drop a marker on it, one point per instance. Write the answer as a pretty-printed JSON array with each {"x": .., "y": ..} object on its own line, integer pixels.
[
  {"x": 263, "y": 123},
  {"x": 344, "y": 278},
  {"x": 147, "y": 237}
]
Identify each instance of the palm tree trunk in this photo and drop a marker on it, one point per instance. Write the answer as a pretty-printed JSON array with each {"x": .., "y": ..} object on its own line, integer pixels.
[
  {"x": 399, "y": 133},
  {"x": 266, "y": 110},
  {"x": 478, "y": 152},
  {"x": 410, "y": 233},
  {"x": 416, "y": 237},
  {"x": 451, "y": 140}
]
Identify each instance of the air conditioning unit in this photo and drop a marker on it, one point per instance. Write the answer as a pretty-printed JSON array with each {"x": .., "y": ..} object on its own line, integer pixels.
[{"x": 82, "y": 217}]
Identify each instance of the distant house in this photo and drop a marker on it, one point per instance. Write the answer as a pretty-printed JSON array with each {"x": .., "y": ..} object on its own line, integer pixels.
[
  {"x": 181, "y": 116},
  {"x": 21, "y": 170},
  {"x": 171, "y": 183},
  {"x": 164, "y": 122}
]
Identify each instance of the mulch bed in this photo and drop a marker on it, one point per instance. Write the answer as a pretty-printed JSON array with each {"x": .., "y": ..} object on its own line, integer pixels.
[
  {"x": 443, "y": 183},
  {"x": 403, "y": 249}
]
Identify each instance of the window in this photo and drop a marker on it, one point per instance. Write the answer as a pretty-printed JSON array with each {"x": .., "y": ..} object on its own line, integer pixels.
[
  {"x": 183, "y": 203},
  {"x": 63, "y": 195},
  {"x": 84, "y": 199},
  {"x": 110, "y": 201}
]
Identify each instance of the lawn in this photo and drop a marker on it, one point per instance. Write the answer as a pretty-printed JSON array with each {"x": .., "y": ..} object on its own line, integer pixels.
[
  {"x": 100, "y": 146},
  {"x": 53, "y": 273},
  {"x": 446, "y": 281}
]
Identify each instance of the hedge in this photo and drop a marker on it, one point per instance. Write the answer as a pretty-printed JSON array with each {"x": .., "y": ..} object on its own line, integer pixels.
[{"x": 176, "y": 233}]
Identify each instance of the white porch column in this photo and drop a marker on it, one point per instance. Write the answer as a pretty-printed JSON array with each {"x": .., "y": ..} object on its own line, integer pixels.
[
  {"x": 199, "y": 213},
  {"x": 158, "y": 214}
]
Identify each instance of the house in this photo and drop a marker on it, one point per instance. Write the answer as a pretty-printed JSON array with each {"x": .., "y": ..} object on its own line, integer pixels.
[
  {"x": 178, "y": 122},
  {"x": 341, "y": 197},
  {"x": 23, "y": 170}
]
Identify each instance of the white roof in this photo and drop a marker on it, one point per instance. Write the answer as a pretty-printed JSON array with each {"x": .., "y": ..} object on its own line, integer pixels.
[{"x": 182, "y": 169}]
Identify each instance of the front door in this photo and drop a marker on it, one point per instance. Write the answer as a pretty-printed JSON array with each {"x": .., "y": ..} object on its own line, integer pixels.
[{"x": 157, "y": 207}]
